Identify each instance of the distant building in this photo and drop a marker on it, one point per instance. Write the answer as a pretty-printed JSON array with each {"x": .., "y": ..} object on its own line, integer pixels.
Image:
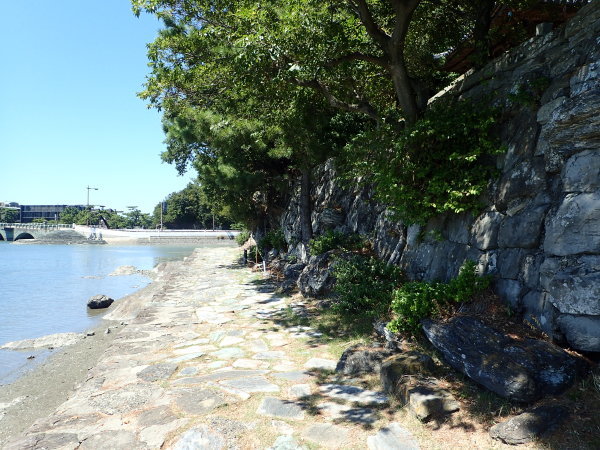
[
  {"x": 47, "y": 212},
  {"x": 9, "y": 204}
]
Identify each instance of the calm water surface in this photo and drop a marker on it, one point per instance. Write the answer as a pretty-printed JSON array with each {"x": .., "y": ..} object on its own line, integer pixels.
[{"x": 44, "y": 289}]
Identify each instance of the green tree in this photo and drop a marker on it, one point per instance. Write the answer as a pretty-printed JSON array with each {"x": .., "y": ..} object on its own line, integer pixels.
[
  {"x": 9, "y": 215},
  {"x": 255, "y": 93},
  {"x": 367, "y": 56},
  {"x": 134, "y": 218},
  {"x": 70, "y": 215},
  {"x": 245, "y": 131},
  {"x": 189, "y": 208}
]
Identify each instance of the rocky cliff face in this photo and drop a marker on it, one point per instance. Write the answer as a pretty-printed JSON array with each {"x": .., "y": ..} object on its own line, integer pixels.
[{"x": 540, "y": 234}]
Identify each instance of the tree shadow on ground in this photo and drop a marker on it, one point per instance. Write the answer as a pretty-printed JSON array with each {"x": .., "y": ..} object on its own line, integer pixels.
[{"x": 479, "y": 406}]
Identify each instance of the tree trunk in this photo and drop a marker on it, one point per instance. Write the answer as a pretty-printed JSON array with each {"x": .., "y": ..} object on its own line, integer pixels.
[
  {"x": 404, "y": 92},
  {"x": 305, "y": 209},
  {"x": 403, "y": 85},
  {"x": 483, "y": 20}
]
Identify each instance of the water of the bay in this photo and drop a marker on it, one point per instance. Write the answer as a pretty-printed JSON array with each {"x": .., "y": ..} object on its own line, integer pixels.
[{"x": 44, "y": 289}]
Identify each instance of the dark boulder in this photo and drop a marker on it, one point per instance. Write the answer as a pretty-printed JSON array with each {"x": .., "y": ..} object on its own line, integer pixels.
[
  {"x": 293, "y": 271},
  {"x": 317, "y": 278},
  {"x": 99, "y": 302},
  {"x": 520, "y": 370},
  {"x": 396, "y": 370},
  {"x": 357, "y": 359},
  {"x": 530, "y": 425}
]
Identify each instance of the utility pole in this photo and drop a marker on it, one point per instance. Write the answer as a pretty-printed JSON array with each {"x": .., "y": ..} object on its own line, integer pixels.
[
  {"x": 88, "y": 201},
  {"x": 88, "y": 194}
]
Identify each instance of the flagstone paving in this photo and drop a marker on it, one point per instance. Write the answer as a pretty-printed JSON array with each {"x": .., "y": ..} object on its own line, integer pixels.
[{"x": 205, "y": 365}]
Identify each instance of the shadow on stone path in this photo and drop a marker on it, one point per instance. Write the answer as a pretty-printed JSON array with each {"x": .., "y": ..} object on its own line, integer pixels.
[{"x": 203, "y": 366}]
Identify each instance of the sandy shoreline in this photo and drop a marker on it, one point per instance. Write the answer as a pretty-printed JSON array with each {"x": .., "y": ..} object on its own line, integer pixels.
[{"x": 39, "y": 391}]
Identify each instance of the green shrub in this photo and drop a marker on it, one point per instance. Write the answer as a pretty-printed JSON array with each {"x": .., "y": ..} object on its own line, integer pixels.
[
  {"x": 273, "y": 239},
  {"x": 443, "y": 163},
  {"x": 242, "y": 237},
  {"x": 418, "y": 299},
  {"x": 364, "y": 286},
  {"x": 333, "y": 240}
]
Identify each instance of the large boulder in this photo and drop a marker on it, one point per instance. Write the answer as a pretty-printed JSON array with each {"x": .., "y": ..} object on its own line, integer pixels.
[
  {"x": 575, "y": 227},
  {"x": 530, "y": 425},
  {"x": 581, "y": 332},
  {"x": 426, "y": 399},
  {"x": 397, "y": 369},
  {"x": 293, "y": 271},
  {"x": 317, "y": 279},
  {"x": 358, "y": 359},
  {"x": 520, "y": 370},
  {"x": 99, "y": 302}
]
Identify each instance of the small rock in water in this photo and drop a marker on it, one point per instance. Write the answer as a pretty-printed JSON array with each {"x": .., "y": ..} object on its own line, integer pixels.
[
  {"x": 99, "y": 302},
  {"x": 90, "y": 333},
  {"x": 30, "y": 357}
]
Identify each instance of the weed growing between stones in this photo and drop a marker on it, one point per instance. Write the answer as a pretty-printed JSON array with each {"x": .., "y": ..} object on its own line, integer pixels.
[
  {"x": 417, "y": 300},
  {"x": 335, "y": 240},
  {"x": 364, "y": 286}
]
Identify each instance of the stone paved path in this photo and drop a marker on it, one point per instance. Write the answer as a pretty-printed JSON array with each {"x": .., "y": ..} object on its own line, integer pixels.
[{"x": 205, "y": 366}]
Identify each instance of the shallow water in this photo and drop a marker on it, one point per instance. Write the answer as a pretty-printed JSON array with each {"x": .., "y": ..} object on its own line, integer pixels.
[{"x": 44, "y": 289}]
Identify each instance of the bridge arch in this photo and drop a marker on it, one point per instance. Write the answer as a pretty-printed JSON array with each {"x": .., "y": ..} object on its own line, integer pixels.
[
  {"x": 24, "y": 235},
  {"x": 2, "y": 237}
]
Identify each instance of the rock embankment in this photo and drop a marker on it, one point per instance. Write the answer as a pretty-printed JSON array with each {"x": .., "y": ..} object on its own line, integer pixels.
[{"x": 539, "y": 235}]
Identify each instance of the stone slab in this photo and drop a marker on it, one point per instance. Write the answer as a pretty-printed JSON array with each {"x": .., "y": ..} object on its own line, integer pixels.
[
  {"x": 200, "y": 438},
  {"x": 346, "y": 413},
  {"x": 327, "y": 435},
  {"x": 392, "y": 437},
  {"x": 321, "y": 364},
  {"x": 251, "y": 384},
  {"x": 275, "y": 407},
  {"x": 157, "y": 372},
  {"x": 353, "y": 394}
]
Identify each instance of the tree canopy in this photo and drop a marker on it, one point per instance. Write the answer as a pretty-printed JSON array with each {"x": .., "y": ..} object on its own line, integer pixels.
[
  {"x": 112, "y": 219},
  {"x": 189, "y": 209},
  {"x": 255, "y": 93}
]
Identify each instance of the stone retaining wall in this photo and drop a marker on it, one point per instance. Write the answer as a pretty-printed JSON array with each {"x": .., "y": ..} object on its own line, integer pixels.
[{"x": 540, "y": 234}]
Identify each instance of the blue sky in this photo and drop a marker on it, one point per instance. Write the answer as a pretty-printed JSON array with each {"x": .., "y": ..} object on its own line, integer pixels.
[{"x": 69, "y": 114}]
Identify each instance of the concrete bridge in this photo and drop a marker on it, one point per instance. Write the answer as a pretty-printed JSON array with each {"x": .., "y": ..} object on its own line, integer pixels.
[{"x": 17, "y": 231}]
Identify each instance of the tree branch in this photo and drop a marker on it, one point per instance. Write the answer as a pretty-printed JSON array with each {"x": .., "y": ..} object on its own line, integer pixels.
[
  {"x": 365, "y": 16},
  {"x": 404, "y": 10},
  {"x": 362, "y": 107}
]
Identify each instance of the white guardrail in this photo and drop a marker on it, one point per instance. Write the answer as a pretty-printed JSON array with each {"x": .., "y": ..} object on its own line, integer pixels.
[
  {"x": 145, "y": 233},
  {"x": 37, "y": 226}
]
